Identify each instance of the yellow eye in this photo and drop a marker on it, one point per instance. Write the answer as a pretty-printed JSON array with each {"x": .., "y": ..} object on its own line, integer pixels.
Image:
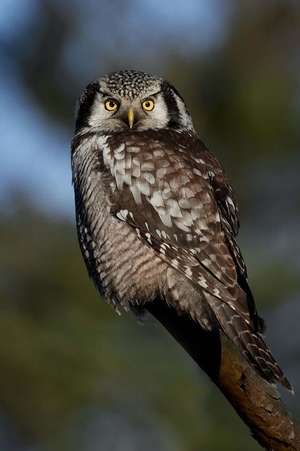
[
  {"x": 111, "y": 105},
  {"x": 148, "y": 105}
]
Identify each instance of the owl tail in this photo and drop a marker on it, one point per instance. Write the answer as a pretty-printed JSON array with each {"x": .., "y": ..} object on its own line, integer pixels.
[{"x": 249, "y": 341}]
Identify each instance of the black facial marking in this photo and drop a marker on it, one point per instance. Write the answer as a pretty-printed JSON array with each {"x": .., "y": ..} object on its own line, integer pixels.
[
  {"x": 85, "y": 104},
  {"x": 174, "y": 113}
]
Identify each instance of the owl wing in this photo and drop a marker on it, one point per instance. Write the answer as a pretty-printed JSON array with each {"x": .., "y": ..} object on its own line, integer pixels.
[
  {"x": 171, "y": 191},
  {"x": 229, "y": 214},
  {"x": 164, "y": 192}
]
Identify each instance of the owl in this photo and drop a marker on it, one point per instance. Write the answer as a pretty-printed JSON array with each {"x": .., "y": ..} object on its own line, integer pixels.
[{"x": 156, "y": 217}]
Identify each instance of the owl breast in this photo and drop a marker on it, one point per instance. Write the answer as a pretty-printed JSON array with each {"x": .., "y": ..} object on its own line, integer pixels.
[{"x": 125, "y": 270}]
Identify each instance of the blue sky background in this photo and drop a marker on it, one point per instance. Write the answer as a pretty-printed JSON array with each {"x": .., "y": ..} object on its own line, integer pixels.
[{"x": 34, "y": 154}]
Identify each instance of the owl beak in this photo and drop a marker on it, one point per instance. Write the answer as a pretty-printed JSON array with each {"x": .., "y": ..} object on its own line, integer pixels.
[{"x": 130, "y": 117}]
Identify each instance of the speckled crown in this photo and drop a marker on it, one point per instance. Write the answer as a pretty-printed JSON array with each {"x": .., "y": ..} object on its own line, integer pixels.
[{"x": 130, "y": 83}]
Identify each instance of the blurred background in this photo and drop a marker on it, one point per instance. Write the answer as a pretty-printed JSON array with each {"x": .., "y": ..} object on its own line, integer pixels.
[{"x": 74, "y": 376}]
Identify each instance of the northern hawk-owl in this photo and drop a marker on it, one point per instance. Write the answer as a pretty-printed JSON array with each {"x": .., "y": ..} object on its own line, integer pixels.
[{"x": 156, "y": 217}]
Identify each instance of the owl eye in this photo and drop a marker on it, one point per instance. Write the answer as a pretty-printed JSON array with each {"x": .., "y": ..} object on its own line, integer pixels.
[
  {"x": 148, "y": 105},
  {"x": 111, "y": 105}
]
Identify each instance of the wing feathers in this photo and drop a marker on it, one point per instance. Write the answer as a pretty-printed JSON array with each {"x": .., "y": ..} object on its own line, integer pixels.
[{"x": 180, "y": 204}]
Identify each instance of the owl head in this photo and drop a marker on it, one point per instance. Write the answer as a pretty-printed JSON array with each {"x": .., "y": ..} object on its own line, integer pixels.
[{"x": 134, "y": 100}]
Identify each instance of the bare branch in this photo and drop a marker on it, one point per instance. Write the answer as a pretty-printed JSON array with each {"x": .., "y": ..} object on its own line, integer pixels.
[{"x": 256, "y": 401}]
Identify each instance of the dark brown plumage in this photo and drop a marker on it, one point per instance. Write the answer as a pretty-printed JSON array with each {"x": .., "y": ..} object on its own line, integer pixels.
[{"x": 157, "y": 220}]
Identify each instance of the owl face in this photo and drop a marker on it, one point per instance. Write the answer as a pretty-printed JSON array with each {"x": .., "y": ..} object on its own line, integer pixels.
[{"x": 131, "y": 100}]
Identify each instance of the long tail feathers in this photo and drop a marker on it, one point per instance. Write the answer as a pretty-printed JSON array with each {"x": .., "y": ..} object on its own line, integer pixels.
[{"x": 249, "y": 341}]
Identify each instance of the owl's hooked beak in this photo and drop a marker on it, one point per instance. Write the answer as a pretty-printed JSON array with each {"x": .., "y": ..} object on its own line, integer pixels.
[{"x": 130, "y": 117}]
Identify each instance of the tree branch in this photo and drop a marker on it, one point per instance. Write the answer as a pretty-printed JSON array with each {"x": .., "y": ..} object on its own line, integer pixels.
[{"x": 256, "y": 401}]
